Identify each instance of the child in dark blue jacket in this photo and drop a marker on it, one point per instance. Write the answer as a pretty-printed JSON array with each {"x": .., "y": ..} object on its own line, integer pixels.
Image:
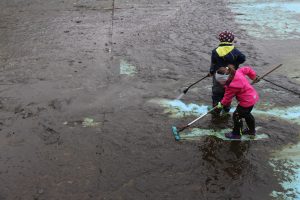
[{"x": 225, "y": 54}]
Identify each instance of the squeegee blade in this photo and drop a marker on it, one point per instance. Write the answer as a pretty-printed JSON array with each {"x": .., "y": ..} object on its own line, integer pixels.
[{"x": 175, "y": 133}]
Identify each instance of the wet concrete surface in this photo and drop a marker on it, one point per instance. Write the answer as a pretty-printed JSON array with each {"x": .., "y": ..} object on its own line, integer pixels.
[{"x": 60, "y": 63}]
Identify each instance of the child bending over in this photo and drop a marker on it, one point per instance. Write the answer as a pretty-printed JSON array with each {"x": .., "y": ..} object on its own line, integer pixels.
[{"x": 236, "y": 85}]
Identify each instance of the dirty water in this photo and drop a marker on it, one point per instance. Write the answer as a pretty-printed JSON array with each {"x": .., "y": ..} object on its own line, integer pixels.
[{"x": 98, "y": 64}]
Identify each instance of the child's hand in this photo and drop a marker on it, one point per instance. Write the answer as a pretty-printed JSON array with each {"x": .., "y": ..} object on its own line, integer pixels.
[{"x": 219, "y": 105}]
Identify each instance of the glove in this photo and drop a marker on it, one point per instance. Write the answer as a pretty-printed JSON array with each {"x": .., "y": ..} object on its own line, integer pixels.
[
  {"x": 219, "y": 105},
  {"x": 256, "y": 80}
]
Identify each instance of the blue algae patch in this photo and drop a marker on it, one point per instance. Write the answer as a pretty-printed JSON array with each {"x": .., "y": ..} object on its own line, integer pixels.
[
  {"x": 178, "y": 109},
  {"x": 196, "y": 133},
  {"x": 287, "y": 162},
  {"x": 127, "y": 69},
  {"x": 269, "y": 20},
  {"x": 290, "y": 113}
]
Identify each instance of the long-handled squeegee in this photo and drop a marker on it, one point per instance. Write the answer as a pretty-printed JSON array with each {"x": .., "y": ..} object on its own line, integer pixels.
[{"x": 176, "y": 130}]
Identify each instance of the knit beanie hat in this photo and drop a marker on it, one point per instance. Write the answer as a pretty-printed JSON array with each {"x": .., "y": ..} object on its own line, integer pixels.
[{"x": 226, "y": 36}]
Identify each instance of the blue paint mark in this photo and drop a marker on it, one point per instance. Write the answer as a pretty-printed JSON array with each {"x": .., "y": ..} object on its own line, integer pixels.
[{"x": 268, "y": 20}]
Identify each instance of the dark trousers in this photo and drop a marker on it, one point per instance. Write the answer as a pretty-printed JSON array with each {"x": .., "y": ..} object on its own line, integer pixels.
[
  {"x": 218, "y": 92},
  {"x": 238, "y": 115}
]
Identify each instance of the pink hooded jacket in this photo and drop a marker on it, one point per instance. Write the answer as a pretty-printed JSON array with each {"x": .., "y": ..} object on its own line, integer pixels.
[{"x": 240, "y": 88}]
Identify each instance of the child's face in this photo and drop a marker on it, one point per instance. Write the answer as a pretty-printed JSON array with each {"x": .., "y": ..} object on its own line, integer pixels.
[{"x": 222, "y": 75}]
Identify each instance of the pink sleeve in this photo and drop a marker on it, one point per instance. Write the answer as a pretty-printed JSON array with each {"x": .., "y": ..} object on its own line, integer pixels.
[
  {"x": 247, "y": 70},
  {"x": 228, "y": 96}
]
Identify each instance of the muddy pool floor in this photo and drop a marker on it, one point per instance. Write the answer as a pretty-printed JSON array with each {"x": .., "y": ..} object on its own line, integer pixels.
[{"x": 76, "y": 125}]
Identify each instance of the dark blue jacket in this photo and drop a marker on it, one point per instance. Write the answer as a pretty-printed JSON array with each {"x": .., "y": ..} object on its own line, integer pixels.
[{"x": 226, "y": 54}]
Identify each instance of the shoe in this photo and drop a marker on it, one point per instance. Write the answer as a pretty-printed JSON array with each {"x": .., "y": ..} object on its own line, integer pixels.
[
  {"x": 234, "y": 136},
  {"x": 247, "y": 131}
]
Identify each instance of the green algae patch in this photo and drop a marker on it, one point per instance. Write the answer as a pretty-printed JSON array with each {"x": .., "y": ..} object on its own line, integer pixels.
[
  {"x": 86, "y": 122},
  {"x": 89, "y": 122}
]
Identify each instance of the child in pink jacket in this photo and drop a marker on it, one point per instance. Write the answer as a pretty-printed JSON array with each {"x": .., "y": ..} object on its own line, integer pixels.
[{"x": 237, "y": 85}]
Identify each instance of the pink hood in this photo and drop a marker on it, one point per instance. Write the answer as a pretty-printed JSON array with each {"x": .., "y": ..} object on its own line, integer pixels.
[{"x": 240, "y": 88}]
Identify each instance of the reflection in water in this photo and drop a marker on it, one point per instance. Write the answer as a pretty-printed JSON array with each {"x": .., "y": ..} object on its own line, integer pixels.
[{"x": 276, "y": 19}]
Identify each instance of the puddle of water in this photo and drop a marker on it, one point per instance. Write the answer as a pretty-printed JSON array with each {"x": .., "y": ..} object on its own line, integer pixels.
[
  {"x": 127, "y": 69},
  {"x": 287, "y": 162},
  {"x": 268, "y": 20}
]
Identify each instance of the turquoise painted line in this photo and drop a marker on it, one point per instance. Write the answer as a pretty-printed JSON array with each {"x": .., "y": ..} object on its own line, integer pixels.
[
  {"x": 127, "y": 69},
  {"x": 178, "y": 109},
  {"x": 271, "y": 20},
  {"x": 287, "y": 162}
]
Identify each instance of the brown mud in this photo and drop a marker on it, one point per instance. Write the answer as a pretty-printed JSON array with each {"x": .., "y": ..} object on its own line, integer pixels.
[{"x": 60, "y": 63}]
